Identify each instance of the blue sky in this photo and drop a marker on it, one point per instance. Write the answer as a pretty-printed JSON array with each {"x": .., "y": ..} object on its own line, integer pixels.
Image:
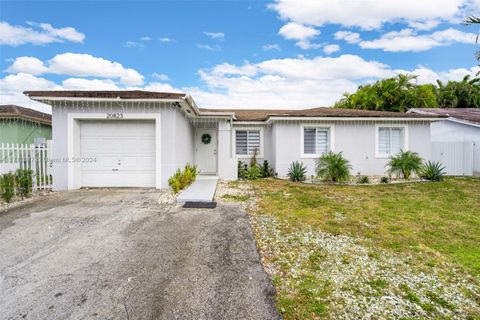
[{"x": 265, "y": 54}]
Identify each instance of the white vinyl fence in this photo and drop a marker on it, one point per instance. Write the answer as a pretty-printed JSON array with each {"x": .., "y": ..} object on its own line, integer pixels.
[
  {"x": 28, "y": 156},
  {"x": 459, "y": 158}
]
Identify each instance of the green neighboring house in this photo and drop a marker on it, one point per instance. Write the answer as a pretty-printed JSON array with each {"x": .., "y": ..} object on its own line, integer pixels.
[{"x": 24, "y": 126}]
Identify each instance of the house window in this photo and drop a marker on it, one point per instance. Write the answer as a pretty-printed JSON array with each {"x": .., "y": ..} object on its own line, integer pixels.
[
  {"x": 390, "y": 140},
  {"x": 247, "y": 142},
  {"x": 316, "y": 140}
]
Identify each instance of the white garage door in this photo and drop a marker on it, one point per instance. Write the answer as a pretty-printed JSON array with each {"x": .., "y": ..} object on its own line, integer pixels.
[{"x": 122, "y": 153}]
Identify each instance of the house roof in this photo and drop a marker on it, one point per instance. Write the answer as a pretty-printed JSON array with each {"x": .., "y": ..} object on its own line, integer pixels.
[
  {"x": 471, "y": 115},
  {"x": 16, "y": 112},
  {"x": 240, "y": 114},
  {"x": 264, "y": 114},
  {"x": 131, "y": 94}
]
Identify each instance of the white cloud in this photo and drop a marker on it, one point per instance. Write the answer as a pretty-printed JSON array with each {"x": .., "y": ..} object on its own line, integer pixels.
[
  {"x": 348, "y": 36},
  {"x": 426, "y": 25},
  {"x": 215, "y": 35},
  {"x": 30, "y": 65},
  {"x": 85, "y": 65},
  {"x": 88, "y": 84},
  {"x": 165, "y": 40},
  {"x": 43, "y": 33},
  {"x": 145, "y": 38},
  {"x": 367, "y": 14},
  {"x": 278, "y": 83},
  {"x": 270, "y": 47},
  {"x": 285, "y": 83},
  {"x": 426, "y": 75},
  {"x": 79, "y": 65},
  {"x": 161, "y": 87},
  {"x": 331, "y": 48},
  {"x": 303, "y": 34},
  {"x": 133, "y": 44},
  {"x": 209, "y": 47},
  {"x": 409, "y": 40},
  {"x": 160, "y": 76},
  {"x": 12, "y": 87}
]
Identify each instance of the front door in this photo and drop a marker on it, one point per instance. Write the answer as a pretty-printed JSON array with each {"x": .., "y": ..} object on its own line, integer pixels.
[{"x": 206, "y": 150}]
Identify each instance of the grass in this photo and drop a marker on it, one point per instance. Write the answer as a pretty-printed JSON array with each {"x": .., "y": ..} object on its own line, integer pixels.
[
  {"x": 434, "y": 227},
  {"x": 433, "y": 218}
]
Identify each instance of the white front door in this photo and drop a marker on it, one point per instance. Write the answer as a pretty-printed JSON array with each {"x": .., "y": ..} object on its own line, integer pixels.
[
  {"x": 206, "y": 150},
  {"x": 117, "y": 153}
]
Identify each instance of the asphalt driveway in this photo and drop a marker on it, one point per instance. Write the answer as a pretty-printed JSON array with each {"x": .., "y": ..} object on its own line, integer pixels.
[{"x": 119, "y": 254}]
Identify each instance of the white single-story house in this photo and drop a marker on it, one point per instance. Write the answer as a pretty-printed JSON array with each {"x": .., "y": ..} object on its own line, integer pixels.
[
  {"x": 456, "y": 141},
  {"x": 140, "y": 138}
]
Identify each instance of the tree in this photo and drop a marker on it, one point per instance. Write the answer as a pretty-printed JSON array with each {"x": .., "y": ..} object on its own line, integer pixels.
[
  {"x": 473, "y": 20},
  {"x": 399, "y": 94},
  {"x": 459, "y": 94}
]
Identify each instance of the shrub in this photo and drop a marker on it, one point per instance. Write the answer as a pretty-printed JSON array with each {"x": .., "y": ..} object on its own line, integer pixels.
[
  {"x": 242, "y": 169},
  {"x": 7, "y": 186},
  {"x": 24, "y": 181},
  {"x": 333, "y": 167},
  {"x": 266, "y": 170},
  {"x": 253, "y": 173},
  {"x": 297, "y": 171},
  {"x": 433, "y": 171},
  {"x": 183, "y": 178},
  {"x": 404, "y": 164},
  {"x": 363, "y": 180},
  {"x": 384, "y": 179}
]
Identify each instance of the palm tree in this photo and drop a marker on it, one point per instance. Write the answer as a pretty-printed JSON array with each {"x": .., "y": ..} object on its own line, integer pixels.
[{"x": 473, "y": 20}]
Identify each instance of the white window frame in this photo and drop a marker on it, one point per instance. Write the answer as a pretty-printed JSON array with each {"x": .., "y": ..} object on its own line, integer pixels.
[
  {"x": 377, "y": 136},
  {"x": 331, "y": 135},
  {"x": 234, "y": 142}
]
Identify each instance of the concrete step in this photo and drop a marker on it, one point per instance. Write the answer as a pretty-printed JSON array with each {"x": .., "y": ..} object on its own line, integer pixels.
[{"x": 201, "y": 190}]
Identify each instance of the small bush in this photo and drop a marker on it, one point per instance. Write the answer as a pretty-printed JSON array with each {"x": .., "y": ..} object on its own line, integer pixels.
[
  {"x": 297, "y": 171},
  {"x": 266, "y": 170},
  {"x": 183, "y": 178},
  {"x": 7, "y": 186},
  {"x": 242, "y": 169},
  {"x": 404, "y": 164},
  {"x": 384, "y": 180},
  {"x": 253, "y": 173},
  {"x": 24, "y": 182},
  {"x": 333, "y": 167},
  {"x": 433, "y": 171},
  {"x": 363, "y": 180}
]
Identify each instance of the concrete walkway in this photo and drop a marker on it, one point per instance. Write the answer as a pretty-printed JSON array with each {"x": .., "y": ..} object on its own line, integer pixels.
[{"x": 202, "y": 190}]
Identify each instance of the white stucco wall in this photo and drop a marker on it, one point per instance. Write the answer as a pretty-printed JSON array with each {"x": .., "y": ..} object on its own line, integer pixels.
[
  {"x": 176, "y": 136},
  {"x": 356, "y": 141},
  {"x": 227, "y": 163},
  {"x": 450, "y": 131}
]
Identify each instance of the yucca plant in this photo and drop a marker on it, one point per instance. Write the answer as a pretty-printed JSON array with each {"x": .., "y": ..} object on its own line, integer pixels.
[
  {"x": 297, "y": 171},
  {"x": 253, "y": 173},
  {"x": 404, "y": 164},
  {"x": 363, "y": 180},
  {"x": 333, "y": 167},
  {"x": 384, "y": 179},
  {"x": 433, "y": 171}
]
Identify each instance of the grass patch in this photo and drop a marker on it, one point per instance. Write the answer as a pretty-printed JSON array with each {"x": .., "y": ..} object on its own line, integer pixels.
[
  {"x": 236, "y": 198},
  {"x": 439, "y": 219},
  {"x": 327, "y": 246}
]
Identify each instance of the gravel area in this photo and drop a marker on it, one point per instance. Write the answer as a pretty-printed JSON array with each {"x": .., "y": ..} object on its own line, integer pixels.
[{"x": 362, "y": 281}]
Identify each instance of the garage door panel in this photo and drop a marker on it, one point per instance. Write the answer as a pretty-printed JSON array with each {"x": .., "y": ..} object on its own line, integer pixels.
[{"x": 122, "y": 153}]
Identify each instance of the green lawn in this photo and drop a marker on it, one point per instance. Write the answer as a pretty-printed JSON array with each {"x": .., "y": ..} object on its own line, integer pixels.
[{"x": 430, "y": 228}]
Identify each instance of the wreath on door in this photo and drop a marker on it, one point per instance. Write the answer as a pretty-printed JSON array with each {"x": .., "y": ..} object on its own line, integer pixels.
[{"x": 206, "y": 138}]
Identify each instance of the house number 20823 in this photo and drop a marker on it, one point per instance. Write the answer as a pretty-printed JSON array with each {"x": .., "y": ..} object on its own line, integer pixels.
[{"x": 115, "y": 115}]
